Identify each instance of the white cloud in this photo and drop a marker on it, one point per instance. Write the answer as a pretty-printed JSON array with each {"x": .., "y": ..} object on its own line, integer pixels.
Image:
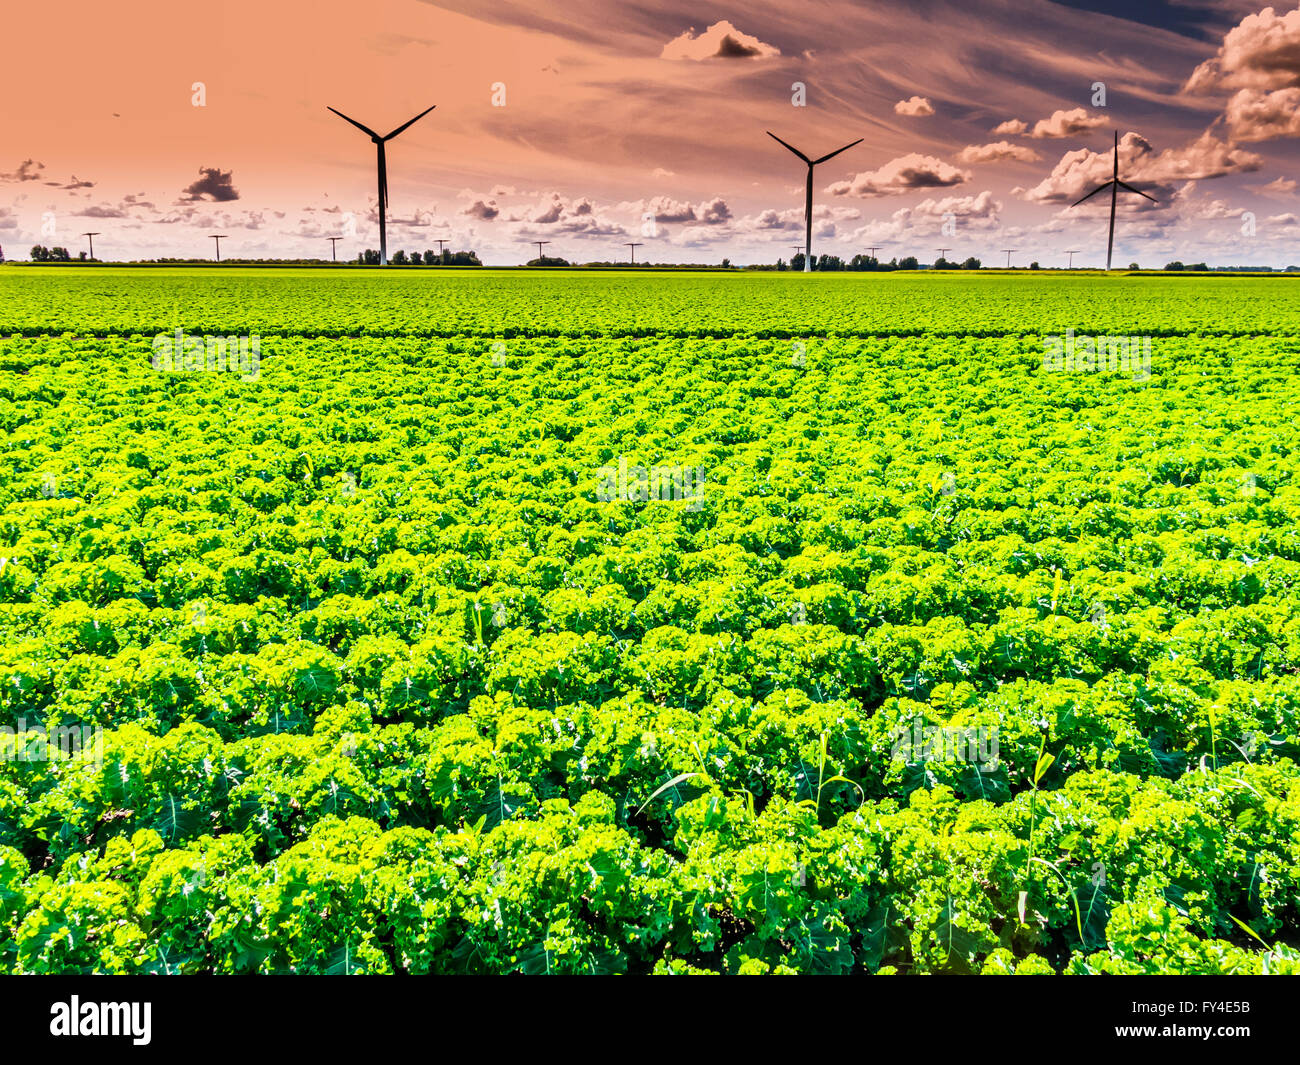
[
  {"x": 997, "y": 152},
  {"x": 902, "y": 175},
  {"x": 720, "y": 41},
  {"x": 1262, "y": 52},
  {"x": 1081, "y": 171},
  {"x": 1067, "y": 124},
  {"x": 916, "y": 107},
  {"x": 1253, "y": 115}
]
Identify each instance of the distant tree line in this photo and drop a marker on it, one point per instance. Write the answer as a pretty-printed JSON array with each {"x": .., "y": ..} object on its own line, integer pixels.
[
  {"x": 370, "y": 257},
  {"x": 236, "y": 262},
  {"x": 870, "y": 262},
  {"x": 42, "y": 254},
  {"x": 623, "y": 264},
  {"x": 1187, "y": 267}
]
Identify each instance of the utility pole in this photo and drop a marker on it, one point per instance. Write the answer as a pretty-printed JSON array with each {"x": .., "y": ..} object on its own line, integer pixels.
[
  {"x": 1009, "y": 251},
  {"x": 943, "y": 251},
  {"x": 634, "y": 246},
  {"x": 1070, "y": 252},
  {"x": 217, "y": 238},
  {"x": 334, "y": 248}
]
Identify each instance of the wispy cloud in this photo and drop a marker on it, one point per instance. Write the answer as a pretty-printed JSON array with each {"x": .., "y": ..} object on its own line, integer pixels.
[{"x": 28, "y": 170}]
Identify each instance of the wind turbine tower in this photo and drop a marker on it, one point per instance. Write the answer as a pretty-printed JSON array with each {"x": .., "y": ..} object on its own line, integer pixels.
[
  {"x": 217, "y": 237},
  {"x": 383, "y": 171},
  {"x": 1114, "y": 184},
  {"x": 808, "y": 197}
]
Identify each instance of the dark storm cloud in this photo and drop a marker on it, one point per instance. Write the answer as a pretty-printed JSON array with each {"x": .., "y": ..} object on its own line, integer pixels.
[
  {"x": 214, "y": 185},
  {"x": 483, "y": 211}
]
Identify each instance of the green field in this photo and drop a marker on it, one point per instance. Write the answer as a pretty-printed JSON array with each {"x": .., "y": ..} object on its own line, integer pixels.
[{"x": 932, "y": 660}]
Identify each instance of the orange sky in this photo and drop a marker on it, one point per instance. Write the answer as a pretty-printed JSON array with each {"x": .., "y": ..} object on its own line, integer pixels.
[{"x": 612, "y": 111}]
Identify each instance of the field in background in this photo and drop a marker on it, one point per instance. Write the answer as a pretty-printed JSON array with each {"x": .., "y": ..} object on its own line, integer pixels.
[
  {"x": 931, "y": 658},
  {"x": 517, "y": 303}
]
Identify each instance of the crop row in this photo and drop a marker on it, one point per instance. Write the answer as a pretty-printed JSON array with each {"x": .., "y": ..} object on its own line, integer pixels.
[{"x": 603, "y": 305}]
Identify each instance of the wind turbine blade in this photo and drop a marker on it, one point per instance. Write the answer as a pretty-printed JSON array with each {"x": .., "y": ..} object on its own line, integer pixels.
[
  {"x": 837, "y": 151},
  {"x": 364, "y": 129},
  {"x": 1099, "y": 188},
  {"x": 790, "y": 146},
  {"x": 411, "y": 123},
  {"x": 1126, "y": 185}
]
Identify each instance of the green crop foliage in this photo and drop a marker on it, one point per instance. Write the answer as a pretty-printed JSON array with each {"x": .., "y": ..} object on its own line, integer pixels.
[{"x": 388, "y": 684}]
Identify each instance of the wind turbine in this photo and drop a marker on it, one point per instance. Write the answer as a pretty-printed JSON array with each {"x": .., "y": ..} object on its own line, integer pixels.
[
  {"x": 942, "y": 252},
  {"x": 92, "y": 237},
  {"x": 873, "y": 249},
  {"x": 383, "y": 171},
  {"x": 1114, "y": 184},
  {"x": 1071, "y": 252},
  {"x": 808, "y": 197},
  {"x": 1009, "y": 251},
  {"x": 634, "y": 246},
  {"x": 440, "y": 241},
  {"x": 217, "y": 237},
  {"x": 539, "y": 244},
  {"x": 334, "y": 243}
]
